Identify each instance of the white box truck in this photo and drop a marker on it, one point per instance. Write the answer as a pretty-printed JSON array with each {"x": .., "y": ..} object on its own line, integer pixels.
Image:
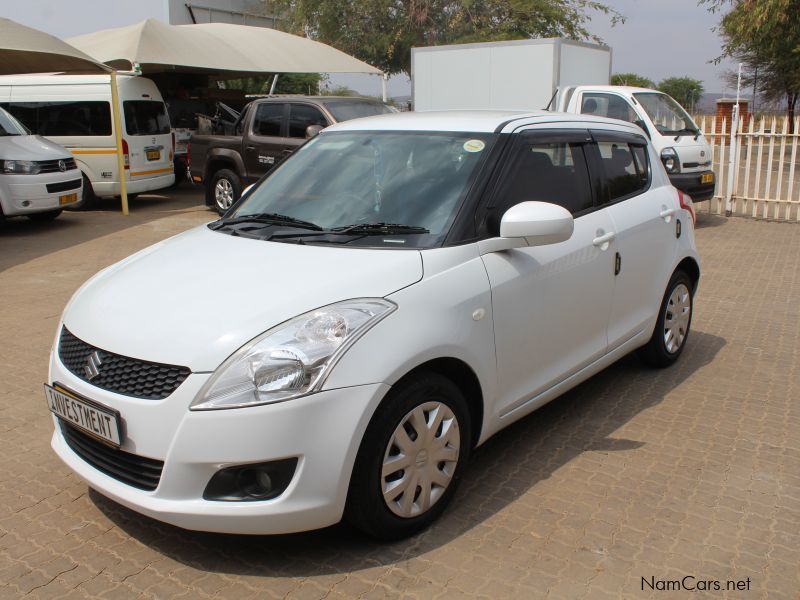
[{"x": 566, "y": 76}]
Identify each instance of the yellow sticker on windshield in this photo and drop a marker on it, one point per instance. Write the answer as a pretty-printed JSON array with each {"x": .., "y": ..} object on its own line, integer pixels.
[{"x": 474, "y": 145}]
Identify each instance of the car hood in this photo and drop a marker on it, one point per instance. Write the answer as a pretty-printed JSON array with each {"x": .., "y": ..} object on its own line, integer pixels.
[
  {"x": 692, "y": 151},
  {"x": 194, "y": 299},
  {"x": 30, "y": 147}
]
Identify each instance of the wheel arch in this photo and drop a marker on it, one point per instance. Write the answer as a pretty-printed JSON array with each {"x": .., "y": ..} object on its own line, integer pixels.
[{"x": 691, "y": 268}]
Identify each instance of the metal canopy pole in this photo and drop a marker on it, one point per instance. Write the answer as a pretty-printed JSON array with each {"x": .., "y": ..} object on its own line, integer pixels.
[{"x": 123, "y": 189}]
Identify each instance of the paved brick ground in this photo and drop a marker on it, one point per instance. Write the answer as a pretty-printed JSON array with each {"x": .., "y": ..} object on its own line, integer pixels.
[{"x": 637, "y": 473}]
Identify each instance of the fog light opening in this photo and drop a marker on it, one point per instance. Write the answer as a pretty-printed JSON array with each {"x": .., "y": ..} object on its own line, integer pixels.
[{"x": 253, "y": 482}]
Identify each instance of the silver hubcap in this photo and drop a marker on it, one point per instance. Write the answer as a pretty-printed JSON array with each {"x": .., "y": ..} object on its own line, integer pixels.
[
  {"x": 420, "y": 459},
  {"x": 676, "y": 318},
  {"x": 223, "y": 193}
]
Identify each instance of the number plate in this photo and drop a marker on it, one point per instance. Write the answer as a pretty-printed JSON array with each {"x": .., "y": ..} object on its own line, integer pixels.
[
  {"x": 707, "y": 178},
  {"x": 96, "y": 420},
  {"x": 67, "y": 199},
  {"x": 153, "y": 154}
]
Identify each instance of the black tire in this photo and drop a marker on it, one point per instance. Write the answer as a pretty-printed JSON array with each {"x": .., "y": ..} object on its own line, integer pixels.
[
  {"x": 220, "y": 177},
  {"x": 656, "y": 352},
  {"x": 45, "y": 216},
  {"x": 88, "y": 199},
  {"x": 366, "y": 508}
]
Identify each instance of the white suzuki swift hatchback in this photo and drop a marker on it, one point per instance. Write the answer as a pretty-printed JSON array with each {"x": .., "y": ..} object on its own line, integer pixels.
[{"x": 389, "y": 297}]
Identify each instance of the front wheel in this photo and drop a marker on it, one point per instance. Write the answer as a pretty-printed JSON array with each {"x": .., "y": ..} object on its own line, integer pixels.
[
  {"x": 674, "y": 320},
  {"x": 224, "y": 189},
  {"x": 411, "y": 458}
]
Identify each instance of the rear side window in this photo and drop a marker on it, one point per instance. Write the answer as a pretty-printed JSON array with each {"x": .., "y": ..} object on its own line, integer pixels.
[
  {"x": 302, "y": 116},
  {"x": 64, "y": 118},
  {"x": 608, "y": 105},
  {"x": 268, "y": 120},
  {"x": 626, "y": 169},
  {"x": 145, "y": 117},
  {"x": 549, "y": 172}
]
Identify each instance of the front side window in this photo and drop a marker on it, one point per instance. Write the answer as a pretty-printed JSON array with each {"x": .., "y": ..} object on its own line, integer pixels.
[
  {"x": 339, "y": 180},
  {"x": 10, "y": 126},
  {"x": 667, "y": 116},
  {"x": 607, "y": 105},
  {"x": 303, "y": 116},
  {"x": 625, "y": 167},
  {"x": 268, "y": 119},
  {"x": 546, "y": 172},
  {"x": 81, "y": 118},
  {"x": 145, "y": 117}
]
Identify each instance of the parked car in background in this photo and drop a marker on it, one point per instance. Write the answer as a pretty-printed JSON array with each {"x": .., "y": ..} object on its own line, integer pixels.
[
  {"x": 268, "y": 130},
  {"x": 38, "y": 178},
  {"x": 396, "y": 292},
  {"x": 75, "y": 111}
]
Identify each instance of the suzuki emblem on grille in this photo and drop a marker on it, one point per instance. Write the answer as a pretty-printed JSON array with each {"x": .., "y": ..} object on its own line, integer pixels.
[
  {"x": 92, "y": 366},
  {"x": 62, "y": 165}
]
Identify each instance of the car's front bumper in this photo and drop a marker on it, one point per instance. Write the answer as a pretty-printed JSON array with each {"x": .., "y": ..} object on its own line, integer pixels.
[
  {"x": 692, "y": 184},
  {"x": 27, "y": 194},
  {"x": 322, "y": 430}
]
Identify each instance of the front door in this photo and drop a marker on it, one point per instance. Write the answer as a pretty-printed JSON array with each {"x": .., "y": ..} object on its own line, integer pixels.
[{"x": 550, "y": 303}]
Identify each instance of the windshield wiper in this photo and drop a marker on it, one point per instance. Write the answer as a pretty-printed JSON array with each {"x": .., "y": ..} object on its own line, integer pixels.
[
  {"x": 687, "y": 130},
  {"x": 356, "y": 229},
  {"x": 266, "y": 219}
]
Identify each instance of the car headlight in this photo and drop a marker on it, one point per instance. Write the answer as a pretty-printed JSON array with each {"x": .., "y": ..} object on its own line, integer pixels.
[
  {"x": 21, "y": 167},
  {"x": 292, "y": 359},
  {"x": 670, "y": 159}
]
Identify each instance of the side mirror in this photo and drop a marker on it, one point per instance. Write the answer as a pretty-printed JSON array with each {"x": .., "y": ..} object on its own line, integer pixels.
[
  {"x": 313, "y": 130},
  {"x": 539, "y": 223}
]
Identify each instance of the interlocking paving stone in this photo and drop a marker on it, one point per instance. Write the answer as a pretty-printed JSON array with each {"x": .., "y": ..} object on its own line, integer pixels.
[{"x": 693, "y": 470}]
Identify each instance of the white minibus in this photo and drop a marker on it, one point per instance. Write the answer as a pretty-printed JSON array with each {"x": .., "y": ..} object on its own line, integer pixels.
[{"x": 75, "y": 111}]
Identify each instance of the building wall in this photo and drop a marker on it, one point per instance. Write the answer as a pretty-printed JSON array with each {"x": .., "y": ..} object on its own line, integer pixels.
[{"x": 241, "y": 12}]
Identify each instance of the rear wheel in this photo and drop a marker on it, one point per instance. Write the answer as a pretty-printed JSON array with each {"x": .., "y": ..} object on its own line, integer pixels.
[
  {"x": 411, "y": 458},
  {"x": 88, "y": 199},
  {"x": 45, "y": 216},
  {"x": 674, "y": 321},
  {"x": 224, "y": 189}
]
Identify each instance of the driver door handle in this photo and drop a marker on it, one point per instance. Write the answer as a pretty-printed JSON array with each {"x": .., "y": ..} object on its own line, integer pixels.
[{"x": 604, "y": 239}]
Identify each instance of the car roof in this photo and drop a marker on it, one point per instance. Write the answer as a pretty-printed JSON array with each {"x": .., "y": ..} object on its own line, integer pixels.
[{"x": 478, "y": 121}]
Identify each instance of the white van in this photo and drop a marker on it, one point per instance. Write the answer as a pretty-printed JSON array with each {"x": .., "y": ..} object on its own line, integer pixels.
[
  {"x": 75, "y": 111},
  {"x": 37, "y": 177}
]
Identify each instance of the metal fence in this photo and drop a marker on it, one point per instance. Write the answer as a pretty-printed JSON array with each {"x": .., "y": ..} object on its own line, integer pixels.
[{"x": 760, "y": 180}]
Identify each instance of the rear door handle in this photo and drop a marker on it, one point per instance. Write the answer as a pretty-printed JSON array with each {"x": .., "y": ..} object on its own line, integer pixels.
[
  {"x": 666, "y": 213},
  {"x": 603, "y": 240},
  {"x": 249, "y": 147}
]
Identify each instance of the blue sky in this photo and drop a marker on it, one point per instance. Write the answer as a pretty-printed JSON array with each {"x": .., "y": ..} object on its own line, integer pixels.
[{"x": 661, "y": 38}]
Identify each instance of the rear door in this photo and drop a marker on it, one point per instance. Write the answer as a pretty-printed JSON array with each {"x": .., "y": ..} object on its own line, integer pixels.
[
  {"x": 149, "y": 138},
  {"x": 645, "y": 222},
  {"x": 265, "y": 140},
  {"x": 550, "y": 303}
]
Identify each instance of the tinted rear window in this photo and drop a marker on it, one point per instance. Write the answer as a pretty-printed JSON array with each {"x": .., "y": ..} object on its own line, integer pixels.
[
  {"x": 145, "y": 117},
  {"x": 63, "y": 118},
  {"x": 344, "y": 110}
]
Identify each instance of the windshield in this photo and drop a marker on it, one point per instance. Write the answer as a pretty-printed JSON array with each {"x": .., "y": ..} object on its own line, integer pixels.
[
  {"x": 339, "y": 180},
  {"x": 667, "y": 115},
  {"x": 145, "y": 117},
  {"x": 346, "y": 109},
  {"x": 10, "y": 126}
]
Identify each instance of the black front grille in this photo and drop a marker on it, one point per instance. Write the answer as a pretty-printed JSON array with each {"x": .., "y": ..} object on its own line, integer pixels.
[
  {"x": 53, "y": 166},
  {"x": 137, "y": 471},
  {"x": 63, "y": 186},
  {"x": 120, "y": 374}
]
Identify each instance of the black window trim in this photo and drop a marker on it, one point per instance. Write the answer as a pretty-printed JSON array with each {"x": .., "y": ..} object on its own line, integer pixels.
[
  {"x": 288, "y": 114},
  {"x": 595, "y": 162}
]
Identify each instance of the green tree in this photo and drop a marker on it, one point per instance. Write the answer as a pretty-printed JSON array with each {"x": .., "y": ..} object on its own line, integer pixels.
[
  {"x": 686, "y": 90},
  {"x": 382, "y": 32},
  {"x": 764, "y": 35},
  {"x": 632, "y": 79},
  {"x": 288, "y": 83}
]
